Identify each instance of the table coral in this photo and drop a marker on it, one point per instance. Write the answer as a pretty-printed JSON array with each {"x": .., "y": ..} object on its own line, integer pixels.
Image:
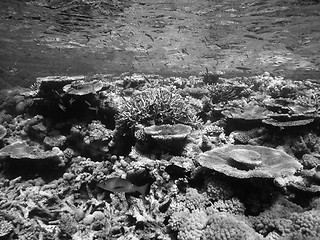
[
  {"x": 83, "y": 88},
  {"x": 274, "y": 163}
]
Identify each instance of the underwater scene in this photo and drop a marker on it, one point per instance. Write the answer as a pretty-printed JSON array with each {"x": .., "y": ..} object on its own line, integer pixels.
[{"x": 118, "y": 135}]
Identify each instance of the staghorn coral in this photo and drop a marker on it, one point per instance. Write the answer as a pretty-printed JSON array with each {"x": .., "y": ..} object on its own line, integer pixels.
[
  {"x": 156, "y": 106},
  {"x": 224, "y": 226}
]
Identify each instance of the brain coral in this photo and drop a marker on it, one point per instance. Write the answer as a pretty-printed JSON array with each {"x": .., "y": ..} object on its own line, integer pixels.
[{"x": 245, "y": 161}]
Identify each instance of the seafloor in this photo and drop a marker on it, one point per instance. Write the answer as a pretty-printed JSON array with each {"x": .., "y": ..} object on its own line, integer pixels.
[{"x": 142, "y": 144}]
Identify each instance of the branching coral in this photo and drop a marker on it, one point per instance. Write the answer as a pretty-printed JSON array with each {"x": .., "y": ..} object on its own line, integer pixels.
[
  {"x": 92, "y": 139},
  {"x": 218, "y": 190},
  {"x": 305, "y": 225},
  {"x": 223, "y": 92},
  {"x": 275, "y": 219},
  {"x": 188, "y": 224},
  {"x": 224, "y": 226},
  {"x": 232, "y": 206},
  {"x": 157, "y": 106},
  {"x": 245, "y": 137},
  {"x": 191, "y": 200}
]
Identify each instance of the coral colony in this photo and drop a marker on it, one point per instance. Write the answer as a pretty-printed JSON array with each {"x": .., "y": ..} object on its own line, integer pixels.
[{"x": 162, "y": 158}]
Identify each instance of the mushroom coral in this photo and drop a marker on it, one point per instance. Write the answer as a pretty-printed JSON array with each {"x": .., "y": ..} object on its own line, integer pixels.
[{"x": 245, "y": 161}]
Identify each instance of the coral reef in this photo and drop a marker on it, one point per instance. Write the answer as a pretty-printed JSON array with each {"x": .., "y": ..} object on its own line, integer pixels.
[{"x": 214, "y": 158}]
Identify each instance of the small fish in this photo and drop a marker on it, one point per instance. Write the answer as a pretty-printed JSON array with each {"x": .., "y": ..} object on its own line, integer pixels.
[
  {"x": 148, "y": 35},
  {"x": 63, "y": 108},
  {"x": 122, "y": 185}
]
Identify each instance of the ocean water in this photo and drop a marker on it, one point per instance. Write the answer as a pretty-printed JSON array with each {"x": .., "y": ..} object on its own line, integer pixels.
[{"x": 165, "y": 120}]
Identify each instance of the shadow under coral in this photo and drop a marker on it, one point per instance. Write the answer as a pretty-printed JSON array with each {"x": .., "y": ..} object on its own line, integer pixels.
[{"x": 30, "y": 169}]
